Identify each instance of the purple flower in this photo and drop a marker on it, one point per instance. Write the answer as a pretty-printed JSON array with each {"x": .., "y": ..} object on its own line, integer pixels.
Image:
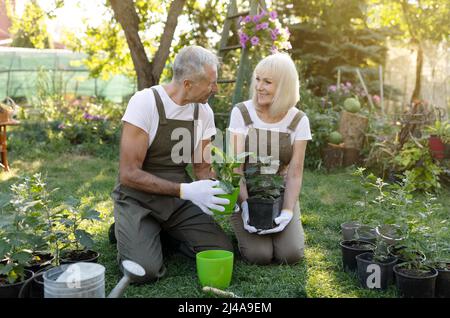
[
  {"x": 274, "y": 34},
  {"x": 264, "y": 25},
  {"x": 273, "y": 15},
  {"x": 348, "y": 84},
  {"x": 247, "y": 19},
  {"x": 243, "y": 38},
  {"x": 87, "y": 116},
  {"x": 332, "y": 88},
  {"x": 254, "y": 40},
  {"x": 273, "y": 49},
  {"x": 256, "y": 18}
]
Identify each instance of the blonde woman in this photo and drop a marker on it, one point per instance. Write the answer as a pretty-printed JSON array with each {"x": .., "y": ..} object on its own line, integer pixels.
[{"x": 271, "y": 111}]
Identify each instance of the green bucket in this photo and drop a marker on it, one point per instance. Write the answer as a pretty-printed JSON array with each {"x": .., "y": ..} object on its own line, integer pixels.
[
  {"x": 215, "y": 268},
  {"x": 229, "y": 208}
]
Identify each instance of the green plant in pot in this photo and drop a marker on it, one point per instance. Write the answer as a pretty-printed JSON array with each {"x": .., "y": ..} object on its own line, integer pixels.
[
  {"x": 225, "y": 167},
  {"x": 439, "y": 136},
  {"x": 265, "y": 192},
  {"x": 375, "y": 269},
  {"x": 77, "y": 243},
  {"x": 415, "y": 278}
]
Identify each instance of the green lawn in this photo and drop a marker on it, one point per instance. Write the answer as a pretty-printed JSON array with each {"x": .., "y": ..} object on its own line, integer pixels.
[{"x": 326, "y": 201}]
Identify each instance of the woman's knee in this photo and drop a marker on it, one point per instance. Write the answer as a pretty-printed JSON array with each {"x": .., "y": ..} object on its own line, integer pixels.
[
  {"x": 291, "y": 256},
  {"x": 258, "y": 257}
]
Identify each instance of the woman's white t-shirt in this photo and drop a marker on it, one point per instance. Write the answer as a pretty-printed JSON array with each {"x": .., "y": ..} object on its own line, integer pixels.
[
  {"x": 143, "y": 113},
  {"x": 237, "y": 124}
]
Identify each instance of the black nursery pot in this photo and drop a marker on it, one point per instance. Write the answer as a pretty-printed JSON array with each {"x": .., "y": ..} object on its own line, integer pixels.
[
  {"x": 75, "y": 256},
  {"x": 395, "y": 250},
  {"x": 378, "y": 275},
  {"x": 46, "y": 260},
  {"x": 262, "y": 212},
  {"x": 13, "y": 290},
  {"x": 411, "y": 285},
  {"x": 351, "y": 249},
  {"x": 443, "y": 282}
]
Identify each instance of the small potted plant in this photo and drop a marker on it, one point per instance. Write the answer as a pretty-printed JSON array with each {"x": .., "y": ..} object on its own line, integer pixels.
[
  {"x": 73, "y": 214},
  {"x": 375, "y": 269},
  {"x": 225, "y": 167},
  {"x": 439, "y": 136},
  {"x": 265, "y": 193}
]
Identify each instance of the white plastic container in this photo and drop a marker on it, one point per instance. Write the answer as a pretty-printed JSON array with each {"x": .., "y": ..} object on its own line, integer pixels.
[{"x": 78, "y": 280}]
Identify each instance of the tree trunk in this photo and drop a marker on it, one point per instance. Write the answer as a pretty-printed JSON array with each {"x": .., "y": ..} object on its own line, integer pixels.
[
  {"x": 419, "y": 63},
  {"x": 166, "y": 39},
  {"x": 148, "y": 74},
  {"x": 125, "y": 14}
]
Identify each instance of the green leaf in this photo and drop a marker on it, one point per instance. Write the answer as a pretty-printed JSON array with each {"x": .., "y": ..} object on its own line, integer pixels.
[
  {"x": 91, "y": 214},
  {"x": 84, "y": 238}
]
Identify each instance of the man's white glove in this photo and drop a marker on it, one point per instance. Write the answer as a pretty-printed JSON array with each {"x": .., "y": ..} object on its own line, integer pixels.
[
  {"x": 282, "y": 221},
  {"x": 245, "y": 218},
  {"x": 202, "y": 194}
]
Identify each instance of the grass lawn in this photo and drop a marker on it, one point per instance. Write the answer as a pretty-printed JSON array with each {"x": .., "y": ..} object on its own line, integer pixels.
[{"x": 326, "y": 201}]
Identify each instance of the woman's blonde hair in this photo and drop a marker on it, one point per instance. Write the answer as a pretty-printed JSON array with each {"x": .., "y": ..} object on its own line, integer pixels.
[{"x": 282, "y": 70}]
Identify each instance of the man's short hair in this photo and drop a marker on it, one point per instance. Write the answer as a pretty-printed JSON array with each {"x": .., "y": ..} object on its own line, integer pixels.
[{"x": 190, "y": 63}]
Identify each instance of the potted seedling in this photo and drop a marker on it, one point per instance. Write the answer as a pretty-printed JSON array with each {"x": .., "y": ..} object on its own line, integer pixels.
[
  {"x": 375, "y": 269},
  {"x": 358, "y": 228},
  {"x": 265, "y": 190},
  {"x": 77, "y": 244},
  {"x": 15, "y": 254},
  {"x": 225, "y": 167},
  {"x": 415, "y": 278}
]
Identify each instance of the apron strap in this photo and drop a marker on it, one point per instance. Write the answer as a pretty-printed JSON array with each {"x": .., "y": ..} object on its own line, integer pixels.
[
  {"x": 293, "y": 125},
  {"x": 245, "y": 114},
  {"x": 196, "y": 111},
  {"x": 160, "y": 106}
]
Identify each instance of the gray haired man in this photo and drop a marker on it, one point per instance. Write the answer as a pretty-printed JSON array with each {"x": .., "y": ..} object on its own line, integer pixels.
[{"x": 154, "y": 193}]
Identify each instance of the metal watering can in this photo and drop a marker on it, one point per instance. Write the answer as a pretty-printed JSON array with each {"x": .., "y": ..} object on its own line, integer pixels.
[{"x": 86, "y": 280}]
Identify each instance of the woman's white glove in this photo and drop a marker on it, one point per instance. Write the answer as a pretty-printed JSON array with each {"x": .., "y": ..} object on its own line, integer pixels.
[
  {"x": 245, "y": 218},
  {"x": 282, "y": 221},
  {"x": 202, "y": 194}
]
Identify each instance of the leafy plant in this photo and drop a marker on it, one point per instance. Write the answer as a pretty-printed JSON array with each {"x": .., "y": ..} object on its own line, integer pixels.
[
  {"x": 415, "y": 158},
  {"x": 441, "y": 130},
  {"x": 224, "y": 166},
  {"x": 73, "y": 213},
  {"x": 263, "y": 185}
]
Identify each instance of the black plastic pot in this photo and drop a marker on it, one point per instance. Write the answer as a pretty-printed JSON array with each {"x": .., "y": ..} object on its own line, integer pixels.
[
  {"x": 443, "y": 282},
  {"x": 12, "y": 290},
  {"x": 373, "y": 274},
  {"x": 262, "y": 212},
  {"x": 46, "y": 260},
  {"x": 412, "y": 285},
  {"x": 348, "y": 230},
  {"x": 71, "y": 257},
  {"x": 351, "y": 249}
]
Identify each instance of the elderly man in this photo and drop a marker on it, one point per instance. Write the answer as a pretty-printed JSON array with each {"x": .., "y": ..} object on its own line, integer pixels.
[{"x": 155, "y": 194}]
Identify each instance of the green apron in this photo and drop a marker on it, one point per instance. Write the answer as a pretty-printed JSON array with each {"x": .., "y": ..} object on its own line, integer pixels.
[
  {"x": 265, "y": 137},
  {"x": 140, "y": 216}
]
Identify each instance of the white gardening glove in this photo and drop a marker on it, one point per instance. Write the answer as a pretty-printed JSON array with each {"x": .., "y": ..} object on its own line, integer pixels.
[
  {"x": 202, "y": 194},
  {"x": 282, "y": 220},
  {"x": 245, "y": 218}
]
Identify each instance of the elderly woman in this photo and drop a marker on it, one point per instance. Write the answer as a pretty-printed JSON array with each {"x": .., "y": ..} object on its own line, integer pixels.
[{"x": 271, "y": 110}]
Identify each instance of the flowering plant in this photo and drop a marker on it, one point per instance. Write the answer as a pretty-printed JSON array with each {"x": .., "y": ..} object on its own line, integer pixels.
[{"x": 263, "y": 30}]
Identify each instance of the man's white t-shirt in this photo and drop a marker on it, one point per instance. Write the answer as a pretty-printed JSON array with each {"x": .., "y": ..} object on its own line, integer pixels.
[
  {"x": 237, "y": 123},
  {"x": 143, "y": 113}
]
